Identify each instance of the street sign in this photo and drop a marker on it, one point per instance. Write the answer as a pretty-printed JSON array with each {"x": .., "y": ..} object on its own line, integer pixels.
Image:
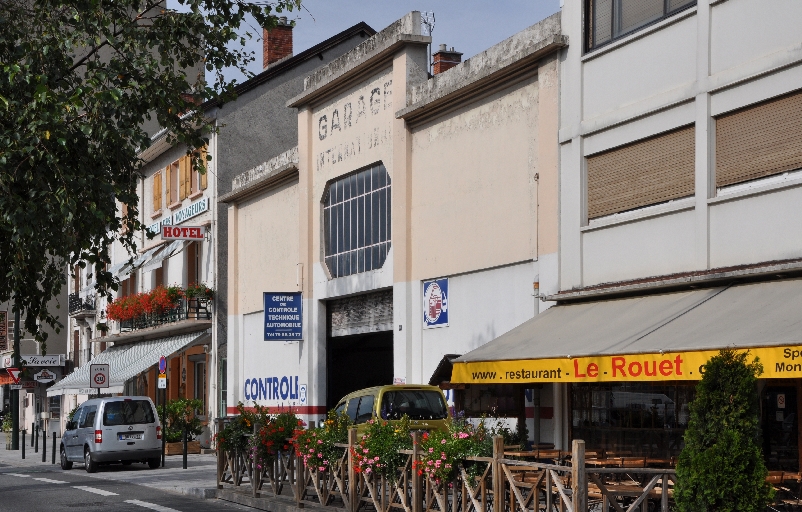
[
  {"x": 14, "y": 372},
  {"x": 26, "y": 384},
  {"x": 162, "y": 365},
  {"x": 99, "y": 376},
  {"x": 162, "y": 381}
]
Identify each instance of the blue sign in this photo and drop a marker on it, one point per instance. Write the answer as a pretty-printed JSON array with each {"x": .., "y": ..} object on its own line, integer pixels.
[
  {"x": 283, "y": 316},
  {"x": 162, "y": 364},
  {"x": 435, "y": 303}
]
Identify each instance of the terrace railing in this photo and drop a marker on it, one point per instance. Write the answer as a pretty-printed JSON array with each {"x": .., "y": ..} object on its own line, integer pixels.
[
  {"x": 497, "y": 484},
  {"x": 78, "y": 304},
  {"x": 187, "y": 309}
]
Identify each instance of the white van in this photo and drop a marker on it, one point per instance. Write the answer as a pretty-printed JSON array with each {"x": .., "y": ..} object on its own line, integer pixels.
[{"x": 122, "y": 429}]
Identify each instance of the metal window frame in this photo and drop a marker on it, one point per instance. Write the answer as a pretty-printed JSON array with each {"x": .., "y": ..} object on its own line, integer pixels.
[{"x": 590, "y": 11}]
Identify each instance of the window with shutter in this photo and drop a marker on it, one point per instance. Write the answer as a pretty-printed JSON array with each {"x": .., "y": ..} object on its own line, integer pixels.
[
  {"x": 644, "y": 173},
  {"x": 157, "y": 192},
  {"x": 759, "y": 141},
  {"x": 182, "y": 178},
  {"x": 204, "y": 177},
  {"x": 174, "y": 182}
]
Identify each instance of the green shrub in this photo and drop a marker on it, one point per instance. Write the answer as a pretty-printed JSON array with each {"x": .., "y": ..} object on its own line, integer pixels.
[
  {"x": 180, "y": 415},
  {"x": 721, "y": 467}
]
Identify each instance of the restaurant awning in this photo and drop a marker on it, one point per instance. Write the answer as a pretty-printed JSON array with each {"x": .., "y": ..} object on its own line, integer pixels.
[
  {"x": 125, "y": 362},
  {"x": 667, "y": 336}
]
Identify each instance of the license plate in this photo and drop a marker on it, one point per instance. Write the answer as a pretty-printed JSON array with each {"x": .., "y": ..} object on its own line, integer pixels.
[{"x": 129, "y": 437}]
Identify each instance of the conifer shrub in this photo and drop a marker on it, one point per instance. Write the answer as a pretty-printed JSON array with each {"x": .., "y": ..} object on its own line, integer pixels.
[{"x": 721, "y": 467}]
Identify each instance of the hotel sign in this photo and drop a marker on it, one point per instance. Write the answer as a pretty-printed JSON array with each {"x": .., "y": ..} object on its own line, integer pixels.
[
  {"x": 34, "y": 360},
  {"x": 180, "y": 216},
  {"x": 778, "y": 363},
  {"x": 183, "y": 232}
]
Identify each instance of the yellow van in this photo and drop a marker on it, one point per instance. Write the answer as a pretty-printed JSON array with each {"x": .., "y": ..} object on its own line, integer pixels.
[{"x": 424, "y": 405}]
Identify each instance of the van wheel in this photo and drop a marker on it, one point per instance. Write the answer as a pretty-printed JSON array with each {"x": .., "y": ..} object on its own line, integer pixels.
[
  {"x": 153, "y": 463},
  {"x": 89, "y": 464},
  {"x": 65, "y": 464}
]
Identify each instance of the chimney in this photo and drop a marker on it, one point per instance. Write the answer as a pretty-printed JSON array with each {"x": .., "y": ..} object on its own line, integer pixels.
[
  {"x": 445, "y": 59},
  {"x": 277, "y": 43}
]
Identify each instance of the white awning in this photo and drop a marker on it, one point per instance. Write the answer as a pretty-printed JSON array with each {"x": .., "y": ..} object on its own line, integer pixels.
[
  {"x": 125, "y": 362},
  {"x": 168, "y": 251}
]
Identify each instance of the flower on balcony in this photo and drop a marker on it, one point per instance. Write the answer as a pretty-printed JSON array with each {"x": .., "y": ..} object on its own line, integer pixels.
[
  {"x": 158, "y": 300},
  {"x": 199, "y": 291}
]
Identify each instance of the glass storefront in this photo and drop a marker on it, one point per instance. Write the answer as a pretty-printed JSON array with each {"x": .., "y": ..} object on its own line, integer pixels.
[{"x": 631, "y": 419}]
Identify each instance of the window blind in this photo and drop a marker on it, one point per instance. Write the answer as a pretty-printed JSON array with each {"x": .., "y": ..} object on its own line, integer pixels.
[
  {"x": 646, "y": 172},
  {"x": 759, "y": 141}
]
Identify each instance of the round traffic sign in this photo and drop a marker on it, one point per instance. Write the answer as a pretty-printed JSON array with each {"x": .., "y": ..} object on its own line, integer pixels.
[
  {"x": 99, "y": 379},
  {"x": 162, "y": 364}
]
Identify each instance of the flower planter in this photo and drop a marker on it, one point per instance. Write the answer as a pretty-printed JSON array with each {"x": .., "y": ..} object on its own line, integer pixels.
[{"x": 178, "y": 448}]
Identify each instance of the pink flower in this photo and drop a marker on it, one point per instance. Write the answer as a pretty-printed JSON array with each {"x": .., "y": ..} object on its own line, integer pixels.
[
  {"x": 443, "y": 455},
  {"x": 364, "y": 450},
  {"x": 431, "y": 450},
  {"x": 321, "y": 468},
  {"x": 319, "y": 441},
  {"x": 376, "y": 459},
  {"x": 443, "y": 441}
]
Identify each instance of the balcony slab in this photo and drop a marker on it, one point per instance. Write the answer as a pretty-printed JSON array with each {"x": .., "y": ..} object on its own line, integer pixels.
[{"x": 161, "y": 331}]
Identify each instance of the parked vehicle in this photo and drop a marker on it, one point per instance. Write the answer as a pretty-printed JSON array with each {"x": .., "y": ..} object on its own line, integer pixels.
[
  {"x": 424, "y": 405},
  {"x": 122, "y": 429}
]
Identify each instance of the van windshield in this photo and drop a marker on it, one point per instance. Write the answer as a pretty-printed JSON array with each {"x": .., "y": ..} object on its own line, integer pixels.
[
  {"x": 415, "y": 403},
  {"x": 129, "y": 412}
]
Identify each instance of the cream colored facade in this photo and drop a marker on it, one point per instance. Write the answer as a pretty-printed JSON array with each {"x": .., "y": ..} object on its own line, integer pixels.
[{"x": 471, "y": 155}]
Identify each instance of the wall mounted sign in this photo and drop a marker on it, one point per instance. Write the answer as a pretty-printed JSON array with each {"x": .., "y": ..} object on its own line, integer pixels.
[
  {"x": 156, "y": 227},
  {"x": 283, "y": 316},
  {"x": 190, "y": 211},
  {"x": 44, "y": 376},
  {"x": 778, "y": 363},
  {"x": 183, "y": 232},
  {"x": 435, "y": 303},
  {"x": 3, "y": 331},
  {"x": 33, "y": 360}
]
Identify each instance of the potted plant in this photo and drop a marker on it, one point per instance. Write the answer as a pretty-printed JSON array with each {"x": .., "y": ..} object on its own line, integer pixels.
[
  {"x": 199, "y": 291},
  {"x": 180, "y": 417}
]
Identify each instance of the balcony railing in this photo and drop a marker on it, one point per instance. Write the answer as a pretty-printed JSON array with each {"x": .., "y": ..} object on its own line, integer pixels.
[
  {"x": 187, "y": 309},
  {"x": 78, "y": 304}
]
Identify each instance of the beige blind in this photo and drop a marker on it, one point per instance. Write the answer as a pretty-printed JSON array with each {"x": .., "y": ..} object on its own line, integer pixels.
[
  {"x": 647, "y": 172},
  {"x": 759, "y": 141}
]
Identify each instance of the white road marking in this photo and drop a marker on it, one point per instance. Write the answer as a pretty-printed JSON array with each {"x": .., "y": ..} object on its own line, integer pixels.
[
  {"x": 151, "y": 506},
  {"x": 94, "y": 490},
  {"x": 48, "y": 480},
  {"x": 17, "y": 474}
]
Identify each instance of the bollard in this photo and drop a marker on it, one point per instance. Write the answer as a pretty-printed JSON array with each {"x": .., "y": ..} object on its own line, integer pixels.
[
  {"x": 36, "y": 439},
  {"x": 23, "y": 444},
  {"x": 54, "y": 449},
  {"x": 44, "y": 446},
  {"x": 33, "y": 425},
  {"x": 185, "y": 447}
]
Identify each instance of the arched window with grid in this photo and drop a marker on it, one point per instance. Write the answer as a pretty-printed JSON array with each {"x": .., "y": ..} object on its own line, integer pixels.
[{"x": 356, "y": 221}]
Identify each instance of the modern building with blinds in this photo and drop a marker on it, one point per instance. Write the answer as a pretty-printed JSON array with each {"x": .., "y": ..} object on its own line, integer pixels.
[
  {"x": 417, "y": 218},
  {"x": 680, "y": 183}
]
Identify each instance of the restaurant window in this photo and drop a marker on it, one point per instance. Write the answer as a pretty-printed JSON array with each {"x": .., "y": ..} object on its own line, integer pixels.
[
  {"x": 356, "y": 222},
  {"x": 608, "y": 20},
  {"x": 631, "y": 419},
  {"x": 497, "y": 400}
]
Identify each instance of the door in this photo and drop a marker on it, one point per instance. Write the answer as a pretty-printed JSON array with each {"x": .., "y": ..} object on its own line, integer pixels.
[
  {"x": 86, "y": 430},
  {"x": 780, "y": 428},
  {"x": 71, "y": 436}
]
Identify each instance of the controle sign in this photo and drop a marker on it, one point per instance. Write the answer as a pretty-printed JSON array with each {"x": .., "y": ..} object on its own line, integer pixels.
[
  {"x": 183, "y": 232},
  {"x": 283, "y": 316}
]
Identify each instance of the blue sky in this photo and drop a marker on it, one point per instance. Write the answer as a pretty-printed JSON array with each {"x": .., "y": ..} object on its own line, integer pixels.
[{"x": 470, "y": 26}]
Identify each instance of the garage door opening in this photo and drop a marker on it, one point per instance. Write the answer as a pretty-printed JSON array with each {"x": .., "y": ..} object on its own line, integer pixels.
[{"x": 356, "y": 362}]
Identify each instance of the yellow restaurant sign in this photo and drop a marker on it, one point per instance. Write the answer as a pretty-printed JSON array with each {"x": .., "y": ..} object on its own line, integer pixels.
[{"x": 778, "y": 362}]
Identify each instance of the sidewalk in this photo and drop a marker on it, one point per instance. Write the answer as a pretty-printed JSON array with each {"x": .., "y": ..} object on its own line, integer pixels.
[{"x": 198, "y": 480}]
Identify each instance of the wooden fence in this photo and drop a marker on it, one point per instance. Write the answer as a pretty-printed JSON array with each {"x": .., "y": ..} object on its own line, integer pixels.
[{"x": 520, "y": 486}]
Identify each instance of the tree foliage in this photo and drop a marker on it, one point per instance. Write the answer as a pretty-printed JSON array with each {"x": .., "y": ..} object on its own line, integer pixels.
[
  {"x": 721, "y": 467},
  {"x": 80, "y": 81}
]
